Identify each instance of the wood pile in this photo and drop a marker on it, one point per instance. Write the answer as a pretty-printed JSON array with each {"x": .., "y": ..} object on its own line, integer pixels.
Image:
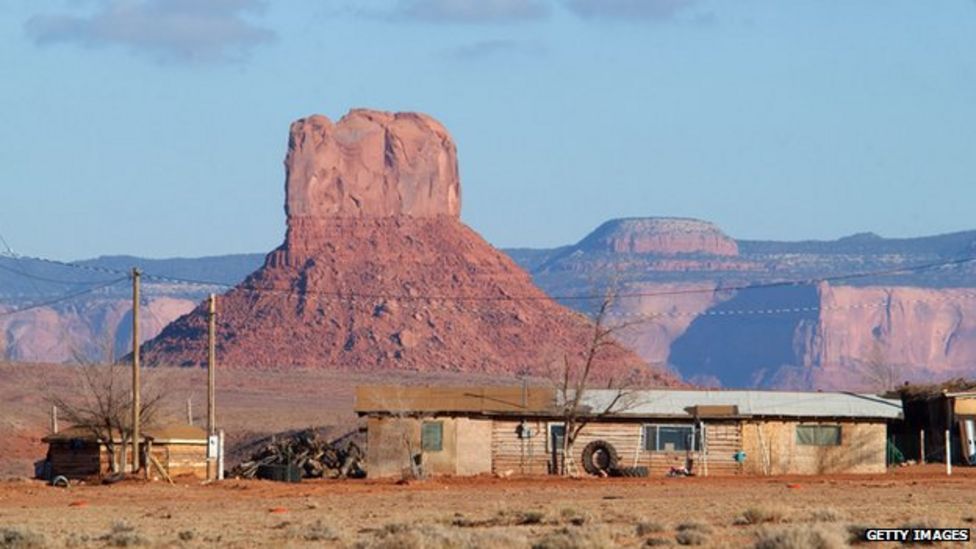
[{"x": 314, "y": 456}]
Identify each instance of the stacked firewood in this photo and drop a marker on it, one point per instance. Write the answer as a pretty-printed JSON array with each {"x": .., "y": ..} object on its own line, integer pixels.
[{"x": 314, "y": 456}]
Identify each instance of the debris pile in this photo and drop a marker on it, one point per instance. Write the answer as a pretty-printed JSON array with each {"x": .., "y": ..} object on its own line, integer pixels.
[{"x": 314, "y": 457}]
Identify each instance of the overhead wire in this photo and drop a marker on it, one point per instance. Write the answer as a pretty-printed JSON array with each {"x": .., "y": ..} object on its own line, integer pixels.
[
  {"x": 62, "y": 298},
  {"x": 568, "y": 297}
]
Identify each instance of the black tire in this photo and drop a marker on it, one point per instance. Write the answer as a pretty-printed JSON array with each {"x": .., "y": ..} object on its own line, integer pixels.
[
  {"x": 630, "y": 472},
  {"x": 599, "y": 457}
]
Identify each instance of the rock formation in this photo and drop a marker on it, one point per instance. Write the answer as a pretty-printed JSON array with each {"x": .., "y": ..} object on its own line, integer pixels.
[
  {"x": 378, "y": 272},
  {"x": 660, "y": 235}
]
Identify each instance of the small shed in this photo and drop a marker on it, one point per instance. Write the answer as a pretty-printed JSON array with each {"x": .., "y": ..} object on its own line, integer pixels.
[
  {"x": 513, "y": 430},
  {"x": 76, "y": 452},
  {"x": 181, "y": 449}
]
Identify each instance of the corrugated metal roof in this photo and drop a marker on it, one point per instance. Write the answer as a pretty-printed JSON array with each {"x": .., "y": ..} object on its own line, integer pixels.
[
  {"x": 487, "y": 399},
  {"x": 749, "y": 403}
]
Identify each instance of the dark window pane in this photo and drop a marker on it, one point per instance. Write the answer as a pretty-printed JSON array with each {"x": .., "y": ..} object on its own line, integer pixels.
[
  {"x": 431, "y": 436},
  {"x": 671, "y": 439},
  {"x": 557, "y": 433},
  {"x": 650, "y": 438},
  {"x": 818, "y": 435}
]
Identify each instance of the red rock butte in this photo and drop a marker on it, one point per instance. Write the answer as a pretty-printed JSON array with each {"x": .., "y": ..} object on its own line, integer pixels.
[{"x": 377, "y": 271}]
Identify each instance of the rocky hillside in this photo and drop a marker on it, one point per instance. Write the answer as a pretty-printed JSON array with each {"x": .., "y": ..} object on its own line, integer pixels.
[{"x": 378, "y": 273}]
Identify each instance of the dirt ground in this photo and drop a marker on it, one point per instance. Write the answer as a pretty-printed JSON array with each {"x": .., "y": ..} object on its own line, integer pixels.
[
  {"x": 787, "y": 512},
  {"x": 485, "y": 512}
]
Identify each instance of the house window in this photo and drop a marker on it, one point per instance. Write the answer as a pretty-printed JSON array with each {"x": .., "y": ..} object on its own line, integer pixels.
[
  {"x": 818, "y": 435},
  {"x": 669, "y": 438},
  {"x": 432, "y": 436}
]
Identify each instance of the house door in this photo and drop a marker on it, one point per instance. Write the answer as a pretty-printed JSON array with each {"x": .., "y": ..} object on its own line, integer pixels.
[{"x": 557, "y": 432}]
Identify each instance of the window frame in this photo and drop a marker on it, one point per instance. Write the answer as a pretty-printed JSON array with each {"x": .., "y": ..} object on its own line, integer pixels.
[
  {"x": 694, "y": 433},
  {"x": 424, "y": 446},
  {"x": 817, "y": 439}
]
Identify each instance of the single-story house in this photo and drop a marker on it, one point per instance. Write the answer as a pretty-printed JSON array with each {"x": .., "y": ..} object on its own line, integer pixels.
[
  {"x": 76, "y": 452},
  {"x": 519, "y": 430}
]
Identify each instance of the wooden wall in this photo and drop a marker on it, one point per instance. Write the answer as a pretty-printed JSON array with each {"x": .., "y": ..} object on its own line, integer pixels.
[
  {"x": 533, "y": 456},
  {"x": 519, "y": 456},
  {"x": 181, "y": 459},
  {"x": 771, "y": 448},
  {"x": 78, "y": 462}
]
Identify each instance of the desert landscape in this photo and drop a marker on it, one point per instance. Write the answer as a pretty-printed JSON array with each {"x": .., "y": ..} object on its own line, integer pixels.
[
  {"x": 824, "y": 512},
  {"x": 464, "y": 274}
]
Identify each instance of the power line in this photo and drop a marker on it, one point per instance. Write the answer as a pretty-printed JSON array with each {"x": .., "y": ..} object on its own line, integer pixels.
[
  {"x": 65, "y": 297},
  {"x": 578, "y": 297},
  {"x": 45, "y": 279}
]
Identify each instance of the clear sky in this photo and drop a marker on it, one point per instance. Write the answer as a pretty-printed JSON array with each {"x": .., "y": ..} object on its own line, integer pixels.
[{"x": 158, "y": 127}]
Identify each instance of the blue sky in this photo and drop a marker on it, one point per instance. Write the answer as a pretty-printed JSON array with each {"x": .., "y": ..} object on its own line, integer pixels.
[{"x": 158, "y": 127}]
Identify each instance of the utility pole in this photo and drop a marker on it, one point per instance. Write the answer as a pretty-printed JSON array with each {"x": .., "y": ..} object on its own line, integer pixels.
[
  {"x": 212, "y": 449},
  {"x": 136, "y": 404}
]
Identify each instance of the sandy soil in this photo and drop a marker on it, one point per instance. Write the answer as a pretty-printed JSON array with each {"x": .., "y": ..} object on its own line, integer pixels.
[{"x": 486, "y": 512}]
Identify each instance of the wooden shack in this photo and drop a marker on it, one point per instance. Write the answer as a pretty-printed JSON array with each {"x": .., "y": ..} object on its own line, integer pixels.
[
  {"x": 465, "y": 431},
  {"x": 75, "y": 452}
]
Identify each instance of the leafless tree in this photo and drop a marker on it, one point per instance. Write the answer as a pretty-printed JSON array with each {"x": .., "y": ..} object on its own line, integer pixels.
[
  {"x": 101, "y": 403},
  {"x": 578, "y": 376},
  {"x": 878, "y": 373}
]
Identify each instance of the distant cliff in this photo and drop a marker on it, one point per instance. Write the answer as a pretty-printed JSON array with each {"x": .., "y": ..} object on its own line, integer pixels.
[{"x": 687, "y": 312}]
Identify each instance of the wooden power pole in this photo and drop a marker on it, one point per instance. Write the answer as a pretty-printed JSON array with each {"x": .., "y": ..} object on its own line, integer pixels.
[
  {"x": 211, "y": 410},
  {"x": 136, "y": 404}
]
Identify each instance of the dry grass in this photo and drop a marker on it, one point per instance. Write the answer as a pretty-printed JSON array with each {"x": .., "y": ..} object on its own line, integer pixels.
[
  {"x": 20, "y": 538},
  {"x": 826, "y": 514},
  {"x": 576, "y": 538},
  {"x": 758, "y": 515},
  {"x": 692, "y": 533},
  {"x": 123, "y": 534},
  {"x": 647, "y": 527},
  {"x": 432, "y": 536},
  {"x": 799, "y": 537}
]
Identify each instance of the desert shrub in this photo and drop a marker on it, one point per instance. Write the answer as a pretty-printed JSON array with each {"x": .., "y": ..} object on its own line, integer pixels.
[
  {"x": 690, "y": 537},
  {"x": 186, "y": 535},
  {"x": 694, "y": 526},
  {"x": 692, "y": 533},
  {"x": 123, "y": 534},
  {"x": 826, "y": 514},
  {"x": 758, "y": 515},
  {"x": 529, "y": 517},
  {"x": 576, "y": 538},
  {"x": 798, "y": 537},
  {"x": 645, "y": 527},
  {"x": 575, "y": 516},
  {"x": 317, "y": 532},
  {"x": 430, "y": 536},
  {"x": 656, "y": 542},
  {"x": 20, "y": 538}
]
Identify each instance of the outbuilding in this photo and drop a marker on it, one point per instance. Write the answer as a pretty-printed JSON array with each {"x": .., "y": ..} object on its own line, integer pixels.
[
  {"x": 514, "y": 430},
  {"x": 76, "y": 452}
]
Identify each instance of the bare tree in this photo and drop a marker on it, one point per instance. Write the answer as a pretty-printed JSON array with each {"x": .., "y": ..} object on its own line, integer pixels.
[
  {"x": 878, "y": 373},
  {"x": 101, "y": 404},
  {"x": 577, "y": 376}
]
